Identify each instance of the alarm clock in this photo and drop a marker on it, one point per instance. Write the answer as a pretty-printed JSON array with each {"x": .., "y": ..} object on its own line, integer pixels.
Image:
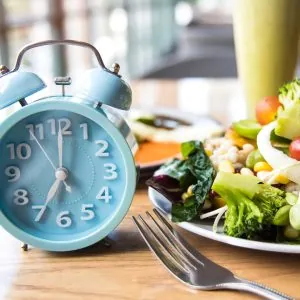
[{"x": 67, "y": 170}]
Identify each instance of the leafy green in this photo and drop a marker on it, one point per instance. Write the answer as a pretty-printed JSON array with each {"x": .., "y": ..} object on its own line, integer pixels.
[
  {"x": 276, "y": 139},
  {"x": 288, "y": 121},
  {"x": 185, "y": 211},
  {"x": 161, "y": 121},
  {"x": 147, "y": 120},
  {"x": 177, "y": 169},
  {"x": 196, "y": 170},
  {"x": 280, "y": 143},
  {"x": 167, "y": 186},
  {"x": 188, "y": 148},
  {"x": 252, "y": 205}
]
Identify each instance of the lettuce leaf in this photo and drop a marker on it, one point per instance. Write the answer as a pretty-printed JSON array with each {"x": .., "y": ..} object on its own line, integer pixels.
[{"x": 174, "y": 178}]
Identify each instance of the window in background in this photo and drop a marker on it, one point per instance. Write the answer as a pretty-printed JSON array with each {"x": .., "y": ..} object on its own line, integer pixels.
[
  {"x": 151, "y": 32},
  {"x": 23, "y": 22},
  {"x": 134, "y": 33}
]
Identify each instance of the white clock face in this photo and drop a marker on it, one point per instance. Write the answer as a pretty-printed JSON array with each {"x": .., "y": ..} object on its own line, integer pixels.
[{"x": 61, "y": 174}]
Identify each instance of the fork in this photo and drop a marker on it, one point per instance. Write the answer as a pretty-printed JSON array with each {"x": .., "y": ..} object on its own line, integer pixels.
[{"x": 190, "y": 266}]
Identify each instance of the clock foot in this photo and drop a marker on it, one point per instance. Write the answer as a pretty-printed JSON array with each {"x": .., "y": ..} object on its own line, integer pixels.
[
  {"x": 106, "y": 242},
  {"x": 25, "y": 247}
]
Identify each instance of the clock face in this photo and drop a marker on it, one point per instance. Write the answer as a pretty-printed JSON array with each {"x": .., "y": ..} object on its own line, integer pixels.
[{"x": 63, "y": 176}]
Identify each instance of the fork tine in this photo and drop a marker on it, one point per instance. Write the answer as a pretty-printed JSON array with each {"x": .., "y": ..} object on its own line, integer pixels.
[
  {"x": 169, "y": 262},
  {"x": 171, "y": 244},
  {"x": 175, "y": 254},
  {"x": 174, "y": 242},
  {"x": 181, "y": 242}
]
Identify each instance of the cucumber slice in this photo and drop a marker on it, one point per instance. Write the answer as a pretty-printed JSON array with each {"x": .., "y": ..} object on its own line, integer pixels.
[
  {"x": 247, "y": 128},
  {"x": 295, "y": 216}
]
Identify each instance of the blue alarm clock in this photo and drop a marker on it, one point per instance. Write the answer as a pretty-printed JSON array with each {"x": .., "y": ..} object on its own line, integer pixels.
[{"x": 67, "y": 171}]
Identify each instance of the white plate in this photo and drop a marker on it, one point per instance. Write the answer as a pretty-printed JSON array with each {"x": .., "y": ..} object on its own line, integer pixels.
[{"x": 204, "y": 228}]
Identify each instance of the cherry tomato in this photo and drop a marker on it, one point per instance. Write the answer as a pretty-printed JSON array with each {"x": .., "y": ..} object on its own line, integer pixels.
[
  {"x": 266, "y": 109},
  {"x": 295, "y": 148}
]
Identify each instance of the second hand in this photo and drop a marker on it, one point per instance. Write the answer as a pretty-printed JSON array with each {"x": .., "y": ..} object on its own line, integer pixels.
[{"x": 68, "y": 188}]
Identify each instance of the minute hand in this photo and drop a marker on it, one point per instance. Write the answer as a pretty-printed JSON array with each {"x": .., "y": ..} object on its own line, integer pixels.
[
  {"x": 68, "y": 188},
  {"x": 60, "y": 148}
]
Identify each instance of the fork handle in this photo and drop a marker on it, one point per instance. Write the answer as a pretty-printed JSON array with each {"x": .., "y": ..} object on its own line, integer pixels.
[{"x": 256, "y": 288}]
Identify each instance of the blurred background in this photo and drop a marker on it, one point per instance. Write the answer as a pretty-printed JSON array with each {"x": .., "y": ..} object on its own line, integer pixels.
[{"x": 149, "y": 38}]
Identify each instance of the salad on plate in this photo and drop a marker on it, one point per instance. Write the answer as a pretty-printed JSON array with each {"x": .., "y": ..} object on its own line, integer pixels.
[{"x": 249, "y": 179}]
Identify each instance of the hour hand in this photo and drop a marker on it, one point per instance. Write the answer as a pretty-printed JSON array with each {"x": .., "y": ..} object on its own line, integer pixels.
[
  {"x": 52, "y": 191},
  {"x": 50, "y": 196}
]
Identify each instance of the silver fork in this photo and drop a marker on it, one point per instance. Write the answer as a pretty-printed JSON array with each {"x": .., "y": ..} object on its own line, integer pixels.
[{"x": 190, "y": 266}]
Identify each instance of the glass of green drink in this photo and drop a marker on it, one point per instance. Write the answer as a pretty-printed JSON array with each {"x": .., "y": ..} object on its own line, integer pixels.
[{"x": 266, "y": 34}]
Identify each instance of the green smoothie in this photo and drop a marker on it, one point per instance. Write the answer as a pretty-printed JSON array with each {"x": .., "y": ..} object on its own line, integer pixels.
[{"x": 266, "y": 34}]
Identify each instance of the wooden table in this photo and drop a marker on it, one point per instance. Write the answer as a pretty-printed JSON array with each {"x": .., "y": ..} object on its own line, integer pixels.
[{"x": 128, "y": 270}]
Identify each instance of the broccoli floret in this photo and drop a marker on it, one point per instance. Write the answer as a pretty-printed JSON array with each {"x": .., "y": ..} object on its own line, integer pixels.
[
  {"x": 288, "y": 124},
  {"x": 243, "y": 217},
  {"x": 269, "y": 199},
  {"x": 252, "y": 205}
]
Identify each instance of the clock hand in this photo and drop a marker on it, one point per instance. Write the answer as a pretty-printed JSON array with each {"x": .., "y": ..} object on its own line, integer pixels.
[
  {"x": 68, "y": 188},
  {"x": 60, "y": 147},
  {"x": 60, "y": 155},
  {"x": 43, "y": 150},
  {"x": 50, "y": 196}
]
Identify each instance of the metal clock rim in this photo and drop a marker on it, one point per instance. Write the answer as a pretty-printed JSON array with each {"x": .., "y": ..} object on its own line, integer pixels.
[{"x": 115, "y": 219}]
